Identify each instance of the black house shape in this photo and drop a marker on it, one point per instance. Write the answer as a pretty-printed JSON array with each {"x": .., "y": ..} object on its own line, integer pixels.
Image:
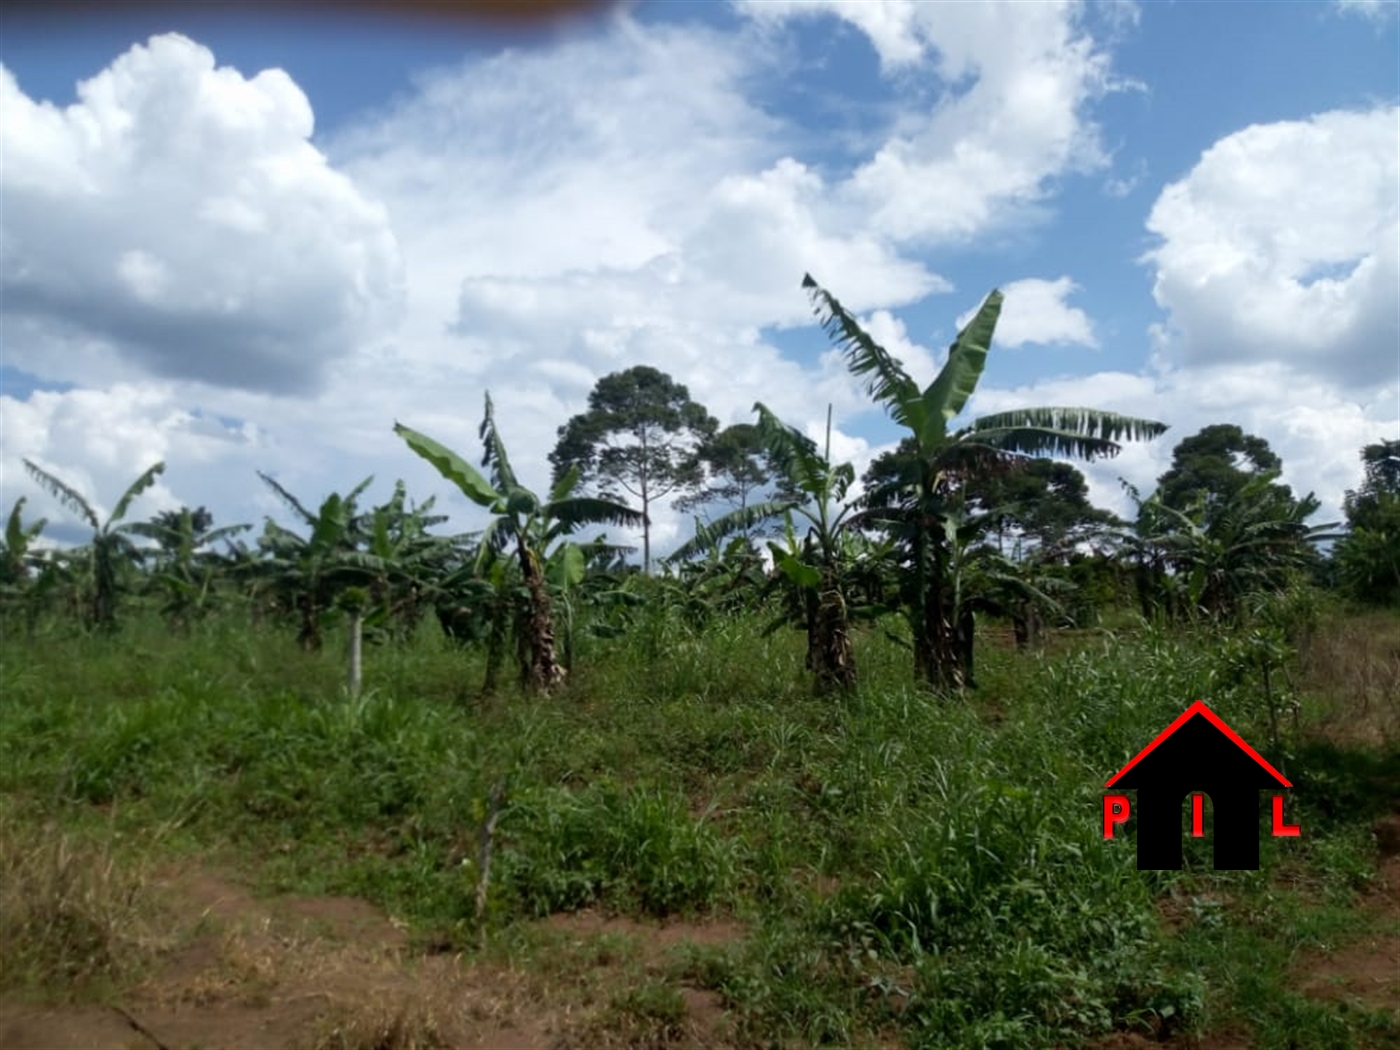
[{"x": 1198, "y": 752}]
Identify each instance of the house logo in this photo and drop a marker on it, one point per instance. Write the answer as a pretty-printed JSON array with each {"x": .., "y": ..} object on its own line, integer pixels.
[{"x": 1199, "y": 755}]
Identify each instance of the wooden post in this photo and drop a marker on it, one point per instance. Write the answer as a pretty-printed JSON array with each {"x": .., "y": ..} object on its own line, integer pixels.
[
  {"x": 488, "y": 831},
  {"x": 356, "y": 643}
]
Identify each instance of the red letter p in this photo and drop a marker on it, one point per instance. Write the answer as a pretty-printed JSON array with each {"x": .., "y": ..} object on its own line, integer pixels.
[{"x": 1115, "y": 811}]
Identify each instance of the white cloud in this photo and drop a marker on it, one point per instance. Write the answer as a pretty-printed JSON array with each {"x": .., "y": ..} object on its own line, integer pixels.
[
  {"x": 1015, "y": 80},
  {"x": 894, "y": 27},
  {"x": 625, "y": 204},
  {"x": 542, "y": 217},
  {"x": 1120, "y": 186},
  {"x": 1035, "y": 311},
  {"x": 628, "y": 204},
  {"x": 176, "y": 218},
  {"x": 55, "y": 432},
  {"x": 1377, "y": 11},
  {"x": 1283, "y": 244}
]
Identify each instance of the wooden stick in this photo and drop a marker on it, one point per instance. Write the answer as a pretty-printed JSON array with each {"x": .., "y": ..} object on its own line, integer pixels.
[{"x": 488, "y": 831}]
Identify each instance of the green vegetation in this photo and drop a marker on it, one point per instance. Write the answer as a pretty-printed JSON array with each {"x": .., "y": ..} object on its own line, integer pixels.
[
  {"x": 908, "y": 858},
  {"x": 1369, "y": 555},
  {"x": 901, "y": 864}
]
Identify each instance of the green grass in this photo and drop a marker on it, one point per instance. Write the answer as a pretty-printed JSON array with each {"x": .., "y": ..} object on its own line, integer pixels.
[{"x": 905, "y": 863}]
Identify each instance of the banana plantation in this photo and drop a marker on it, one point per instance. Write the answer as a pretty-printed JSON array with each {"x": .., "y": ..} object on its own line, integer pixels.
[
  {"x": 846, "y": 744},
  {"x": 920, "y": 554}
]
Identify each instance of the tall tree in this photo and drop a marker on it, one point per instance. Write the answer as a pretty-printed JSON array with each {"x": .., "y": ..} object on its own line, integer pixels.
[
  {"x": 1369, "y": 554},
  {"x": 640, "y": 440},
  {"x": 530, "y": 524},
  {"x": 1213, "y": 464},
  {"x": 741, "y": 471},
  {"x": 923, "y": 504}
]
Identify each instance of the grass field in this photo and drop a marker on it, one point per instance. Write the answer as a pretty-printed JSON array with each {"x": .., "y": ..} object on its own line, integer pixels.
[{"x": 206, "y": 842}]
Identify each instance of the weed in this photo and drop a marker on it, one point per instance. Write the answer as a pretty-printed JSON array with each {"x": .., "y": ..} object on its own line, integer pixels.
[
  {"x": 380, "y": 1025},
  {"x": 72, "y": 917}
]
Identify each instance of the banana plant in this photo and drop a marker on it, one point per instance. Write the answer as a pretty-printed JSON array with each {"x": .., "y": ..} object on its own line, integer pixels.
[
  {"x": 27, "y": 577},
  {"x": 184, "y": 570},
  {"x": 923, "y": 499},
  {"x": 1022, "y": 591},
  {"x": 1220, "y": 555},
  {"x": 520, "y": 519},
  {"x": 727, "y": 579},
  {"x": 110, "y": 547},
  {"x": 413, "y": 561},
  {"x": 18, "y": 557},
  {"x": 307, "y": 572},
  {"x": 814, "y": 565}
]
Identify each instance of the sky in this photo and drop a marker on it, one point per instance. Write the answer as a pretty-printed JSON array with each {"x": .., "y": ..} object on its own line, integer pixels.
[{"x": 242, "y": 242}]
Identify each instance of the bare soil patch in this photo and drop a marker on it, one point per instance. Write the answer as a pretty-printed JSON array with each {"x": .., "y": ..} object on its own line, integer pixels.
[
  {"x": 289, "y": 972},
  {"x": 1367, "y": 971},
  {"x": 336, "y": 973}
]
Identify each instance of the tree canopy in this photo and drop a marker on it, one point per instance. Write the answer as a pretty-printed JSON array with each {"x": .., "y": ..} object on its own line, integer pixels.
[
  {"x": 1213, "y": 464},
  {"x": 640, "y": 440},
  {"x": 1368, "y": 556}
]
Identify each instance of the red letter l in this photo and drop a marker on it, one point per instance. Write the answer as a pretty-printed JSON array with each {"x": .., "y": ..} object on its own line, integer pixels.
[{"x": 1282, "y": 830}]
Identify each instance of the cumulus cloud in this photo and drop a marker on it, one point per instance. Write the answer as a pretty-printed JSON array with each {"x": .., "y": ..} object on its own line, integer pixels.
[
  {"x": 542, "y": 217},
  {"x": 1015, "y": 81},
  {"x": 139, "y": 424},
  {"x": 176, "y": 218},
  {"x": 628, "y": 203},
  {"x": 1377, "y": 11},
  {"x": 1283, "y": 243},
  {"x": 1035, "y": 311}
]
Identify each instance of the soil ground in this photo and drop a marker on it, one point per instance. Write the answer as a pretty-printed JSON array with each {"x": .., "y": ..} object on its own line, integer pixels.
[
  {"x": 1367, "y": 970},
  {"x": 336, "y": 972}
]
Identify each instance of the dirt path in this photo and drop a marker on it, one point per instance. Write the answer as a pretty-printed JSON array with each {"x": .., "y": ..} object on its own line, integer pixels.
[
  {"x": 1368, "y": 970},
  {"x": 333, "y": 972}
]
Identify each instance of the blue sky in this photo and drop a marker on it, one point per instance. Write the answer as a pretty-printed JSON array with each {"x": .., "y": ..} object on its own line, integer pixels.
[{"x": 1194, "y": 210}]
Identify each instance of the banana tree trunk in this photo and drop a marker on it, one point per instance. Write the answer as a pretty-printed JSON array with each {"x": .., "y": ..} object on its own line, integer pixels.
[
  {"x": 544, "y": 672},
  {"x": 524, "y": 643},
  {"x": 940, "y": 655},
  {"x": 830, "y": 644},
  {"x": 811, "y": 607},
  {"x": 967, "y": 635},
  {"x": 104, "y": 585},
  {"x": 309, "y": 637},
  {"x": 495, "y": 644},
  {"x": 1025, "y": 622},
  {"x": 942, "y": 647}
]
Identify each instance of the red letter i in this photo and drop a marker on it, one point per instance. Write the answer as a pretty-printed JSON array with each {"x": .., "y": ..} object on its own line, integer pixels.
[{"x": 1198, "y": 816}]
